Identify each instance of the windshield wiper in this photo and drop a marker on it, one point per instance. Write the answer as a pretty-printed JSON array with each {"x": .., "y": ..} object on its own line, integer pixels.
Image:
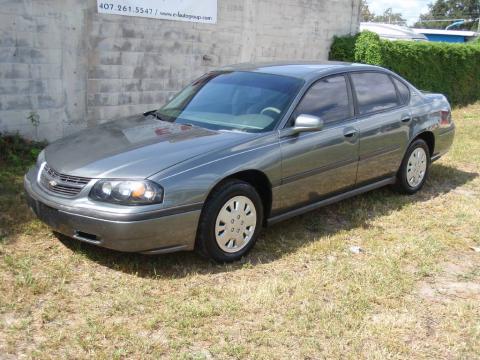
[{"x": 153, "y": 113}]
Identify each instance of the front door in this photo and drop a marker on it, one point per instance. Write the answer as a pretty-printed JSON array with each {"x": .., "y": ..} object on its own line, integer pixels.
[{"x": 317, "y": 164}]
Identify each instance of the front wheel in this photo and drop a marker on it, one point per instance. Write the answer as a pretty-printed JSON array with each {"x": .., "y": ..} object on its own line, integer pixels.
[
  {"x": 230, "y": 222},
  {"x": 414, "y": 169}
]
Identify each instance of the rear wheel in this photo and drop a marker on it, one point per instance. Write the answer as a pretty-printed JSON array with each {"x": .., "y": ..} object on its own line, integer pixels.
[
  {"x": 230, "y": 222},
  {"x": 414, "y": 169}
]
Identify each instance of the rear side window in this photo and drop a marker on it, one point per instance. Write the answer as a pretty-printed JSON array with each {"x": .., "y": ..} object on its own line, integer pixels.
[
  {"x": 375, "y": 92},
  {"x": 403, "y": 91},
  {"x": 327, "y": 99}
]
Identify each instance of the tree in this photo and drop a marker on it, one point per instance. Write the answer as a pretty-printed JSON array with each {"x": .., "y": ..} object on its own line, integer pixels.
[
  {"x": 365, "y": 14},
  {"x": 390, "y": 17},
  {"x": 451, "y": 9}
]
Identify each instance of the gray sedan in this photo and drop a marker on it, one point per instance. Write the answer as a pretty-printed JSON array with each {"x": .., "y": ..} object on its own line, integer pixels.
[{"x": 238, "y": 149}]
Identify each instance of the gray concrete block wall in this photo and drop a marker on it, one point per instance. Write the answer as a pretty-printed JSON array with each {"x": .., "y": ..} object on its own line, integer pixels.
[
  {"x": 76, "y": 68},
  {"x": 43, "y": 67}
]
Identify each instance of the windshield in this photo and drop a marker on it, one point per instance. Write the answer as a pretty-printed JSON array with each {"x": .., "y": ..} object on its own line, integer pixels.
[{"x": 241, "y": 101}]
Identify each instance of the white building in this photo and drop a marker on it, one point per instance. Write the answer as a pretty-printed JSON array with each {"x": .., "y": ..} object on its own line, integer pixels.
[{"x": 392, "y": 32}]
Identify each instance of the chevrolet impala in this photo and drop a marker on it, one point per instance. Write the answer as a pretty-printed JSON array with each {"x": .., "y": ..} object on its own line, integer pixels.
[{"x": 238, "y": 149}]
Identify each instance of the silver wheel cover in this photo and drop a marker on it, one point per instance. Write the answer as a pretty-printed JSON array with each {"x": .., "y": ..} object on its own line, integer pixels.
[
  {"x": 416, "y": 167},
  {"x": 235, "y": 224}
]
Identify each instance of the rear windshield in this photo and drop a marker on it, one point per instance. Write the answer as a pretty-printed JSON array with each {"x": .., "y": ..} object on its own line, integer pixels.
[{"x": 241, "y": 101}]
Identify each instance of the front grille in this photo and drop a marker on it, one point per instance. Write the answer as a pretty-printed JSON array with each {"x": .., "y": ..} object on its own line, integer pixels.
[{"x": 60, "y": 183}]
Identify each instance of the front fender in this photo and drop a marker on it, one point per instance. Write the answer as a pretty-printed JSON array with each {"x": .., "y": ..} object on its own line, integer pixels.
[{"x": 191, "y": 183}]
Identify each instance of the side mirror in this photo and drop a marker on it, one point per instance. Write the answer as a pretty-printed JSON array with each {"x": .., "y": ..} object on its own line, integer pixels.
[{"x": 305, "y": 122}]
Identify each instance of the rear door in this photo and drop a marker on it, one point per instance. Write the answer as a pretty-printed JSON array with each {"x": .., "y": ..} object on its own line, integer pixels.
[
  {"x": 315, "y": 164},
  {"x": 383, "y": 120}
]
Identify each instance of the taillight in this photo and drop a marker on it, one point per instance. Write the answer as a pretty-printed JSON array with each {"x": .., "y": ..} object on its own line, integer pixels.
[{"x": 445, "y": 117}]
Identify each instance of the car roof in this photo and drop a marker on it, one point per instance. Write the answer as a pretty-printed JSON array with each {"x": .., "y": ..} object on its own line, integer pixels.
[{"x": 302, "y": 70}]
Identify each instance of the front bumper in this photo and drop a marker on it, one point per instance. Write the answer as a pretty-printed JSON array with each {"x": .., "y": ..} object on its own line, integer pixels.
[{"x": 162, "y": 234}]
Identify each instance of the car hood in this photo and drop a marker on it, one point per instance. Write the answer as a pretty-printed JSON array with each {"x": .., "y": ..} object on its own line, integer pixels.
[{"x": 134, "y": 147}]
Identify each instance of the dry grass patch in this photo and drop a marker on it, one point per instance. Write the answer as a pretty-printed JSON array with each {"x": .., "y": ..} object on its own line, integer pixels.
[{"x": 413, "y": 292}]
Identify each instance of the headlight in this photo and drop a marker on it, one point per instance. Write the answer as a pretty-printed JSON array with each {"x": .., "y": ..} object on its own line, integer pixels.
[
  {"x": 41, "y": 158},
  {"x": 127, "y": 192}
]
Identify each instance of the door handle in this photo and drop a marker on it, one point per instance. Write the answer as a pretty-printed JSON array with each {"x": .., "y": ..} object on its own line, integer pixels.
[
  {"x": 406, "y": 119},
  {"x": 350, "y": 133}
]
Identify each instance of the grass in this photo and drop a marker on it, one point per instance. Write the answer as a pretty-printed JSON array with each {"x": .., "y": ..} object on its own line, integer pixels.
[{"x": 413, "y": 292}]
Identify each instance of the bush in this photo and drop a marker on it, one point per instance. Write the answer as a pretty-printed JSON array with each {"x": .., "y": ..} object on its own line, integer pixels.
[
  {"x": 343, "y": 48},
  {"x": 368, "y": 49},
  {"x": 450, "y": 69},
  {"x": 18, "y": 152}
]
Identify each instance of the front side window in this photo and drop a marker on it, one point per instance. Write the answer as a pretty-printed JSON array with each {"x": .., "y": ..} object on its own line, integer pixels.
[
  {"x": 374, "y": 91},
  {"x": 237, "y": 101},
  {"x": 327, "y": 99}
]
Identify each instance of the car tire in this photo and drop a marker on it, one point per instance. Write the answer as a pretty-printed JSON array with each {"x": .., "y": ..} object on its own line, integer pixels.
[
  {"x": 225, "y": 231},
  {"x": 414, "y": 169}
]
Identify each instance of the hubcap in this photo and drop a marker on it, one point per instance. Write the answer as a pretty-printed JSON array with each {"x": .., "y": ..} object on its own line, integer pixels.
[
  {"x": 235, "y": 224},
  {"x": 417, "y": 166}
]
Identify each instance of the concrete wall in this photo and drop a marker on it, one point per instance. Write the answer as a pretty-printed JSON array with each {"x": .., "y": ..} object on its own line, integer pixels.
[{"x": 76, "y": 68}]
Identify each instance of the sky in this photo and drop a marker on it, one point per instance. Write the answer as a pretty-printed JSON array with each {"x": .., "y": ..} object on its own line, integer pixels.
[{"x": 410, "y": 9}]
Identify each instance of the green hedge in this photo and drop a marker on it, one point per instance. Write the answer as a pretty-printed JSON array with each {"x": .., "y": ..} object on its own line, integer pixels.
[
  {"x": 450, "y": 69},
  {"x": 343, "y": 48}
]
